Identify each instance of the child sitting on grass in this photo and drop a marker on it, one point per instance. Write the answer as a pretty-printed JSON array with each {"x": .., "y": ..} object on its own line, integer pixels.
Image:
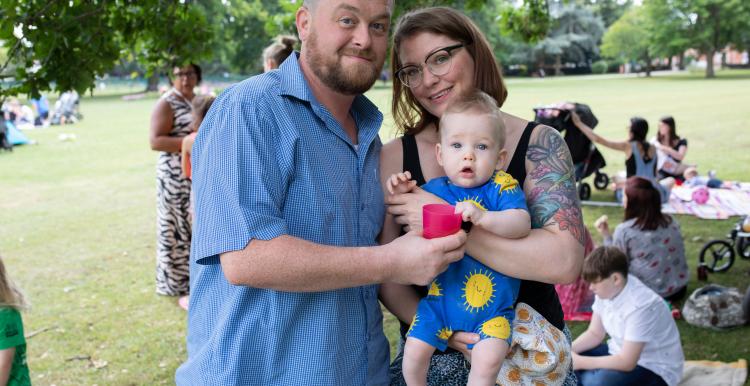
[
  {"x": 644, "y": 348},
  {"x": 468, "y": 296},
  {"x": 13, "y": 367}
]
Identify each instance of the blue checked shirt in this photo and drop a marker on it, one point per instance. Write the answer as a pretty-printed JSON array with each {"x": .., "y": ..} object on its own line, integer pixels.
[{"x": 270, "y": 160}]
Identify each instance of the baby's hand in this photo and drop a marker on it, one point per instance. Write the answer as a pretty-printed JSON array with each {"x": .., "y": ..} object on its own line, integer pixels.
[
  {"x": 469, "y": 212},
  {"x": 401, "y": 183},
  {"x": 602, "y": 225}
]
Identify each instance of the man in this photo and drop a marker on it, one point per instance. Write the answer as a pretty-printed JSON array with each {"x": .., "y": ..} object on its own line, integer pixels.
[{"x": 284, "y": 262}]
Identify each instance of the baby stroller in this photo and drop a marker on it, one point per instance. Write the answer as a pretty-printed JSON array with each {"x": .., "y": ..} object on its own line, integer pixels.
[{"x": 587, "y": 159}]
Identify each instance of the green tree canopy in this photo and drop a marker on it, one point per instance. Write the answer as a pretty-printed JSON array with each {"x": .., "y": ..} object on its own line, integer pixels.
[{"x": 628, "y": 40}]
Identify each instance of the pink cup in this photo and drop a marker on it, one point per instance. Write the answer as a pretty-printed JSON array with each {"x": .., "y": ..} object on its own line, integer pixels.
[{"x": 439, "y": 220}]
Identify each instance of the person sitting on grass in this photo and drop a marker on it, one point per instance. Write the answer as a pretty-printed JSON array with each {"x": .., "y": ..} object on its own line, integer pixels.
[
  {"x": 644, "y": 348},
  {"x": 694, "y": 180},
  {"x": 468, "y": 296},
  {"x": 13, "y": 367}
]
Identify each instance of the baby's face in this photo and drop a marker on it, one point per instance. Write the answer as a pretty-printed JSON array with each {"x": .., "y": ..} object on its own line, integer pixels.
[{"x": 469, "y": 149}]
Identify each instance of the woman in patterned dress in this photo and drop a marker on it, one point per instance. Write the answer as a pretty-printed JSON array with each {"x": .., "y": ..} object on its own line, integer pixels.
[
  {"x": 651, "y": 239},
  {"x": 170, "y": 122}
]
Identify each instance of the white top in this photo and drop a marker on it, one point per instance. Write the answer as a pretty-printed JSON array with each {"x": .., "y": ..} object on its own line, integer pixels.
[{"x": 638, "y": 314}]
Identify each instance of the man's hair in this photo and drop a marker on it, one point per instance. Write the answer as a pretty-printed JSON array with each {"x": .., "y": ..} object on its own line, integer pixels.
[
  {"x": 410, "y": 116},
  {"x": 479, "y": 102},
  {"x": 311, "y": 4},
  {"x": 602, "y": 262}
]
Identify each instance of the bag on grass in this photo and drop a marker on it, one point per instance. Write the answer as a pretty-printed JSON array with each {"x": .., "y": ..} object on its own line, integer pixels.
[{"x": 714, "y": 306}]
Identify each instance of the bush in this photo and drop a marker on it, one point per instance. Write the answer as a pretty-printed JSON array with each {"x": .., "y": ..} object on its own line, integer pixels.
[{"x": 599, "y": 67}]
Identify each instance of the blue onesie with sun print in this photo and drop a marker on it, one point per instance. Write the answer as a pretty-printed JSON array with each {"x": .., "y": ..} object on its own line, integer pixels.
[{"x": 469, "y": 296}]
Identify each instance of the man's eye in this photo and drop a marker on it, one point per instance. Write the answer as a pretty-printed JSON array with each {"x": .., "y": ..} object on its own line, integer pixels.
[
  {"x": 380, "y": 27},
  {"x": 347, "y": 21}
]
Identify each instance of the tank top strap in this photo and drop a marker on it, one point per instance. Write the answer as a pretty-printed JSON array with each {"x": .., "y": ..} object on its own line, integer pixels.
[
  {"x": 517, "y": 166},
  {"x": 411, "y": 158}
]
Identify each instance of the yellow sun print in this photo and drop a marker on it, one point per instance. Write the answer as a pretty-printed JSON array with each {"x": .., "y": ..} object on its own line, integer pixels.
[
  {"x": 505, "y": 181},
  {"x": 445, "y": 333},
  {"x": 479, "y": 290},
  {"x": 435, "y": 289},
  {"x": 497, "y": 327},
  {"x": 474, "y": 200},
  {"x": 413, "y": 323}
]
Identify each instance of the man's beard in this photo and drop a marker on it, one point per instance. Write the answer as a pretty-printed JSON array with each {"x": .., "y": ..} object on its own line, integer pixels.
[{"x": 354, "y": 80}]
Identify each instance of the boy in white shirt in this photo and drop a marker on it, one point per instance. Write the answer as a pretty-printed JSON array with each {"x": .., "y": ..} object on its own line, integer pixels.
[{"x": 644, "y": 348}]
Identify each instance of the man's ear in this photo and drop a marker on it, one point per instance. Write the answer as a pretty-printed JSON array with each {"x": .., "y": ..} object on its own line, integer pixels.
[
  {"x": 439, "y": 154},
  {"x": 302, "y": 20}
]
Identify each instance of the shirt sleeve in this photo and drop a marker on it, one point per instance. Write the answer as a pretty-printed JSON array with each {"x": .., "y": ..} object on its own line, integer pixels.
[
  {"x": 240, "y": 176},
  {"x": 505, "y": 193},
  {"x": 619, "y": 239},
  {"x": 11, "y": 329}
]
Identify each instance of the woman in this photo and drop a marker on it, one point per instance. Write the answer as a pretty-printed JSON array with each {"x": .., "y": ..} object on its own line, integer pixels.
[
  {"x": 651, "y": 240},
  {"x": 640, "y": 157},
  {"x": 278, "y": 51},
  {"x": 439, "y": 53},
  {"x": 170, "y": 122},
  {"x": 671, "y": 150}
]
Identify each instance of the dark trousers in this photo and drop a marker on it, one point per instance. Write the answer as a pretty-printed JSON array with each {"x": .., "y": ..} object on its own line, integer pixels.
[{"x": 639, "y": 376}]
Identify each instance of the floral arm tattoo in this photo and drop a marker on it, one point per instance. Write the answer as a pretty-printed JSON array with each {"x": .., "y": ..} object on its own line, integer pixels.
[{"x": 553, "y": 199}]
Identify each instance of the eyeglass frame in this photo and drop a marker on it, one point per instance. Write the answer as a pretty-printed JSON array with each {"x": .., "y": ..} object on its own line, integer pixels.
[
  {"x": 420, "y": 67},
  {"x": 187, "y": 74}
]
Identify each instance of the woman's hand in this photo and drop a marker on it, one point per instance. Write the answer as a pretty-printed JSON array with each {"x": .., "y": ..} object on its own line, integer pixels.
[
  {"x": 460, "y": 340},
  {"x": 406, "y": 208},
  {"x": 575, "y": 118}
]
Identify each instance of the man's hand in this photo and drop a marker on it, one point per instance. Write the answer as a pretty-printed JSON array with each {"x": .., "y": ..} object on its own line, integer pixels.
[
  {"x": 401, "y": 183},
  {"x": 416, "y": 260},
  {"x": 469, "y": 212}
]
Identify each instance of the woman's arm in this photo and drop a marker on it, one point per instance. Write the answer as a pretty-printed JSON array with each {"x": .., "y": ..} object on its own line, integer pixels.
[
  {"x": 187, "y": 148},
  {"x": 6, "y": 363},
  {"x": 553, "y": 251},
  {"x": 588, "y": 132},
  {"x": 161, "y": 124},
  {"x": 677, "y": 155}
]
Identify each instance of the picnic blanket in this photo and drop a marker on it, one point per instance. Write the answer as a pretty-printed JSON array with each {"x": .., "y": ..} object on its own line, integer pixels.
[
  {"x": 701, "y": 373},
  {"x": 721, "y": 204}
]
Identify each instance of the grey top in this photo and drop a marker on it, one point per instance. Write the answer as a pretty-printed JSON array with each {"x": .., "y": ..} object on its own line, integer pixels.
[{"x": 657, "y": 257}]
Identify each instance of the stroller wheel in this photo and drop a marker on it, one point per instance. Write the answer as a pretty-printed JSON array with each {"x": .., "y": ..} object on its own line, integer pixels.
[
  {"x": 601, "y": 181},
  {"x": 584, "y": 191},
  {"x": 743, "y": 247},
  {"x": 717, "y": 256}
]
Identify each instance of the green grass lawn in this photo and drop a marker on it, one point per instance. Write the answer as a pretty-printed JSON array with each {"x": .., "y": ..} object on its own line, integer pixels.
[{"x": 77, "y": 221}]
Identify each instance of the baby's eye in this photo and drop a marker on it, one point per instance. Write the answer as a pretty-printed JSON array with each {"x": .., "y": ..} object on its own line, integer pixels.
[
  {"x": 456, "y": 145},
  {"x": 482, "y": 146}
]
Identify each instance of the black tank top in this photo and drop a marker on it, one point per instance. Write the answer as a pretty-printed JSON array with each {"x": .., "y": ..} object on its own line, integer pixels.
[{"x": 540, "y": 296}]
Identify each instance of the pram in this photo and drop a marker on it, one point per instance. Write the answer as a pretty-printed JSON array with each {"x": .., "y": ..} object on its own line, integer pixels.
[{"x": 587, "y": 159}]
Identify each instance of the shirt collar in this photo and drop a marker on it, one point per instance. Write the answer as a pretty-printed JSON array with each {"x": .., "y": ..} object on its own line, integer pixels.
[{"x": 293, "y": 83}]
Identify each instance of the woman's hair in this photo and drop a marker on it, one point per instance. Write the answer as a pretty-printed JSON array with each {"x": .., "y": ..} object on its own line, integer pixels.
[
  {"x": 201, "y": 104},
  {"x": 602, "y": 262},
  {"x": 639, "y": 130},
  {"x": 10, "y": 295},
  {"x": 644, "y": 204},
  {"x": 669, "y": 121},
  {"x": 409, "y": 115},
  {"x": 280, "y": 49}
]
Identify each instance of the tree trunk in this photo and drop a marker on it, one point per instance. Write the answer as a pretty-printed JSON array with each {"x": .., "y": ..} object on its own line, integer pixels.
[
  {"x": 669, "y": 63},
  {"x": 648, "y": 65},
  {"x": 558, "y": 65},
  {"x": 153, "y": 82},
  {"x": 681, "y": 62},
  {"x": 723, "y": 60},
  {"x": 710, "y": 64}
]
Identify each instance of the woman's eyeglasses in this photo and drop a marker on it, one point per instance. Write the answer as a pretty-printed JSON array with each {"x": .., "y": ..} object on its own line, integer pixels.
[
  {"x": 187, "y": 74},
  {"x": 438, "y": 63}
]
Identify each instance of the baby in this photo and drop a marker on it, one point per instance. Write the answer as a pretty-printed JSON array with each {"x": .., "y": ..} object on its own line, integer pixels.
[
  {"x": 693, "y": 180},
  {"x": 468, "y": 296}
]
